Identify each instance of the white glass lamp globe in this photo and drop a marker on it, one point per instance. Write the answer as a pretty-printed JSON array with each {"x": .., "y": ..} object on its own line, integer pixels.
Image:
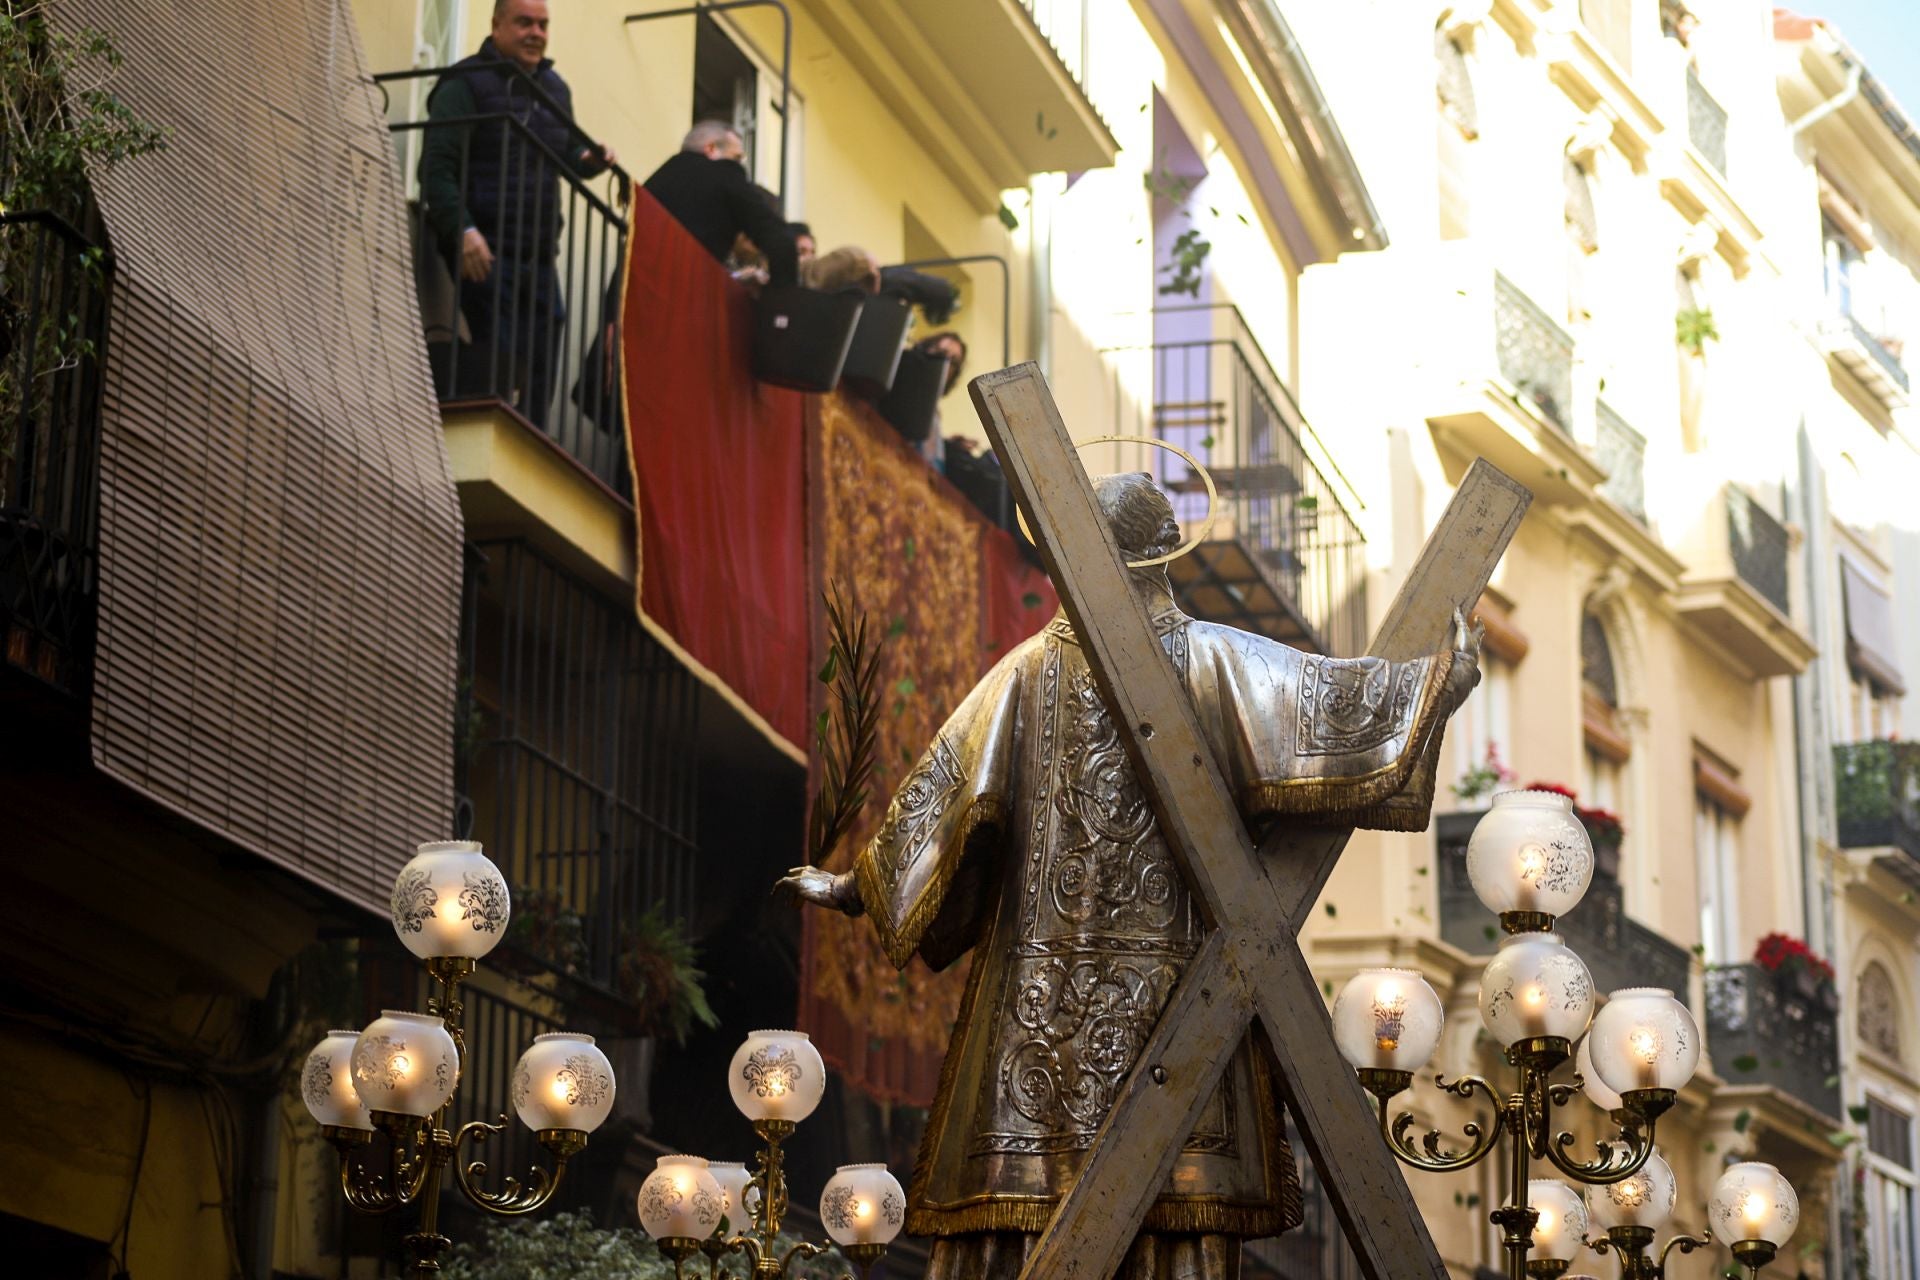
[
  {"x": 680, "y": 1199},
  {"x": 1752, "y": 1201},
  {"x": 863, "y": 1204},
  {"x": 1536, "y": 987},
  {"x": 1644, "y": 1039},
  {"x": 563, "y": 1081},
  {"x": 1644, "y": 1200},
  {"x": 1529, "y": 853},
  {"x": 450, "y": 900},
  {"x": 733, "y": 1179},
  {"x": 405, "y": 1063},
  {"x": 326, "y": 1083},
  {"x": 777, "y": 1075},
  {"x": 1387, "y": 1019},
  {"x": 1590, "y": 1082},
  {"x": 1561, "y": 1230}
]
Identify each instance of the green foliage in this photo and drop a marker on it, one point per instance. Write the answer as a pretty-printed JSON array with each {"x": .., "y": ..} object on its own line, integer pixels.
[
  {"x": 543, "y": 926},
  {"x": 62, "y": 115},
  {"x": 567, "y": 1246},
  {"x": 1693, "y": 328},
  {"x": 660, "y": 980},
  {"x": 1871, "y": 778}
]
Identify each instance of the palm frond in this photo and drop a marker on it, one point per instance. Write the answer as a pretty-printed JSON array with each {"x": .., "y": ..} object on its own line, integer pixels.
[{"x": 848, "y": 732}]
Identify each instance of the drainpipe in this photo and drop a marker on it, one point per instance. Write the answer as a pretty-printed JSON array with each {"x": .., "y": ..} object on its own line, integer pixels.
[{"x": 1848, "y": 92}]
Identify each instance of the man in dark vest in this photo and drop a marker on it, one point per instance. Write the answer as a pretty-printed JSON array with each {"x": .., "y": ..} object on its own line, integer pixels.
[{"x": 492, "y": 193}]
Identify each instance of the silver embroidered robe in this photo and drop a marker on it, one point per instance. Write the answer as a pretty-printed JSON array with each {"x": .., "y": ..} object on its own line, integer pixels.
[{"x": 1023, "y": 834}]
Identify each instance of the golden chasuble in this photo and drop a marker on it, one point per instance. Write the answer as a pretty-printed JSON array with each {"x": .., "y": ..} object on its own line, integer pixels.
[{"x": 1023, "y": 834}]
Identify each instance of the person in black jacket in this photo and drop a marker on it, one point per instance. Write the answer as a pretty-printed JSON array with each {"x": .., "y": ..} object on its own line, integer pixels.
[
  {"x": 492, "y": 196},
  {"x": 706, "y": 189}
]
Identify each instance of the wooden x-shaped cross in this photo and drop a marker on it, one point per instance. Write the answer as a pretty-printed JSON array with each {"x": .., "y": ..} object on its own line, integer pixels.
[{"x": 1249, "y": 970}]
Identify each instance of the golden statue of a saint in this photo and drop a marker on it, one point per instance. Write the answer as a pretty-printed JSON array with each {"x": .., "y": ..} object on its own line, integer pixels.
[{"x": 1022, "y": 835}]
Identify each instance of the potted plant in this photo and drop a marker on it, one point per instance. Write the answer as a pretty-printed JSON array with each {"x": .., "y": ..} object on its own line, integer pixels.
[
  {"x": 664, "y": 993},
  {"x": 545, "y": 929},
  {"x": 1793, "y": 965},
  {"x": 1480, "y": 782}
]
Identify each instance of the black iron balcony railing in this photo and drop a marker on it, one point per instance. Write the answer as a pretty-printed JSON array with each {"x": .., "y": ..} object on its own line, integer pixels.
[
  {"x": 539, "y": 331},
  {"x": 1623, "y": 452},
  {"x": 1536, "y": 355},
  {"x": 1877, "y": 796},
  {"x": 1759, "y": 546},
  {"x": 1706, "y": 123},
  {"x": 1768, "y": 1028},
  {"x": 55, "y": 286},
  {"x": 575, "y": 761},
  {"x": 1621, "y": 951},
  {"x": 1283, "y": 527}
]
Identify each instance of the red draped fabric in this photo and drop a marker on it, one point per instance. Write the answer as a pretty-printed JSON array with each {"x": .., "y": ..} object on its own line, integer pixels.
[
  {"x": 749, "y": 501},
  {"x": 718, "y": 481}
]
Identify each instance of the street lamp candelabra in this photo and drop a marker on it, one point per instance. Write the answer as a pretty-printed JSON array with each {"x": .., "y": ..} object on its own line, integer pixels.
[
  {"x": 1530, "y": 861},
  {"x": 396, "y": 1078},
  {"x": 691, "y": 1207}
]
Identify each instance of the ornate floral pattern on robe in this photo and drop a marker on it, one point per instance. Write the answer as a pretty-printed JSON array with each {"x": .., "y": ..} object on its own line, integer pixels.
[{"x": 1023, "y": 835}]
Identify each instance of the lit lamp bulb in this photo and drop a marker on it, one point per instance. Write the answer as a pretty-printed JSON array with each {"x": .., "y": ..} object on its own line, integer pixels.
[
  {"x": 863, "y": 1205},
  {"x": 1645, "y": 1047},
  {"x": 1644, "y": 1201},
  {"x": 1536, "y": 996},
  {"x": 1596, "y": 1088},
  {"x": 405, "y": 1064},
  {"x": 777, "y": 1077},
  {"x": 1386, "y": 1023},
  {"x": 1529, "y": 859},
  {"x": 680, "y": 1202},
  {"x": 1753, "y": 1211},
  {"x": 450, "y": 901},
  {"x": 326, "y": 1084},
  {"x": 563, "y": 1082},
  {"x": 1561, "y": 1229},
  {"x": 733, "y": 1179}
]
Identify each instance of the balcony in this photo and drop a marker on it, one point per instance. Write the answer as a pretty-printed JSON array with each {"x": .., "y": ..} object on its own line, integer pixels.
[
  {"x": 1877, "y": 795},
  {"x": 528, "y": 353},
  {"x": 1504, "y": 389},
  {"x": 1853, "y": 347},
  {"x": 1706, "y": 124},
  {"x": 1284, "y": 557},
  {"x": 52, "y": 345},
  {"x": 1736, "y": 585},
  {"x": 574, "y": 750},
  {"x": 1619, "y": 950},
  {"x": 1008, "y": 80},
  {"x": 1763, "y": 1031},
  {"x": 1622, "y": 453}
]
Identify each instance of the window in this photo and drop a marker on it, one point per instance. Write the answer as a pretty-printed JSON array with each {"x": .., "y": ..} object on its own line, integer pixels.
[
  {"x": 732, "y": 82},
  {"x": 1482, "y": 730},
  {"x": 1877, "y": 1017},
  {"x": 1716, "y": 836},
  {"x": 1890, "y": 1187},
  {"x": 1603, "y": 780}
]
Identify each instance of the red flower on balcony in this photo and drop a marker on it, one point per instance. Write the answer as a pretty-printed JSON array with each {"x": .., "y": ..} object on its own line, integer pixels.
[
  {"x": 1604, "y": 827},
  {"x": 1558, "y": 788},
  {"x": 1782, "y": 953}
]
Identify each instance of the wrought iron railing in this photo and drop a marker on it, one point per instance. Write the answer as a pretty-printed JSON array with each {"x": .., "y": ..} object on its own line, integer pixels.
[
  {"x": 1759, "y": 546},
  {"x": 1318, "y": 1248},
  {"x": 1536, "y": 355},
  {"x": 1875, "y": 348},
  {"x": 55, "y": 286},
  {"x": 1623, "y": 452},
  {"x": 575, "y": 743},
  {"x": 1619, "y": 950},
  {"x": 541, "y": 332},
  {"x": 1706, "y": 123},
  {"x": 1877, "y": 795},
  {"x": 1765, "y": 1028},
  {"x": 1216, "y": 396}
]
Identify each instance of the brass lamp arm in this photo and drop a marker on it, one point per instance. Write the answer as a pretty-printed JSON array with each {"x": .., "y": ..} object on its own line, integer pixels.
[
  {"x": 516, "y": 1197},
  {"x": 1611, "y": 1163},
  {"x": 414, "y": 1158},
  {"x": 1685, "y": 1244},
  {"x": 1434, "y": 1160}
]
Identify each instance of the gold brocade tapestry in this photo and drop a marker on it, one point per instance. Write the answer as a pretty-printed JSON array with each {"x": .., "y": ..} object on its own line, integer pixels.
[{"x": 908, "y": 551}]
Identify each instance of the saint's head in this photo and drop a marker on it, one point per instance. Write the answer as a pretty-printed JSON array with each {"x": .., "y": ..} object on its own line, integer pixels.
[{"x": 1139, "y": 514}]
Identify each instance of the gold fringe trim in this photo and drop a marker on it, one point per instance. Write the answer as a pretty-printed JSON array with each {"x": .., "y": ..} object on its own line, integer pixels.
[
  {"x": 901, "y": 940},
  {"x": 1170, "y": 1215}
]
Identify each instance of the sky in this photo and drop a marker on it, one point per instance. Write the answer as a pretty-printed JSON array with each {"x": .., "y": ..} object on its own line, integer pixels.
[{"x": 1885, "y": 33}]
